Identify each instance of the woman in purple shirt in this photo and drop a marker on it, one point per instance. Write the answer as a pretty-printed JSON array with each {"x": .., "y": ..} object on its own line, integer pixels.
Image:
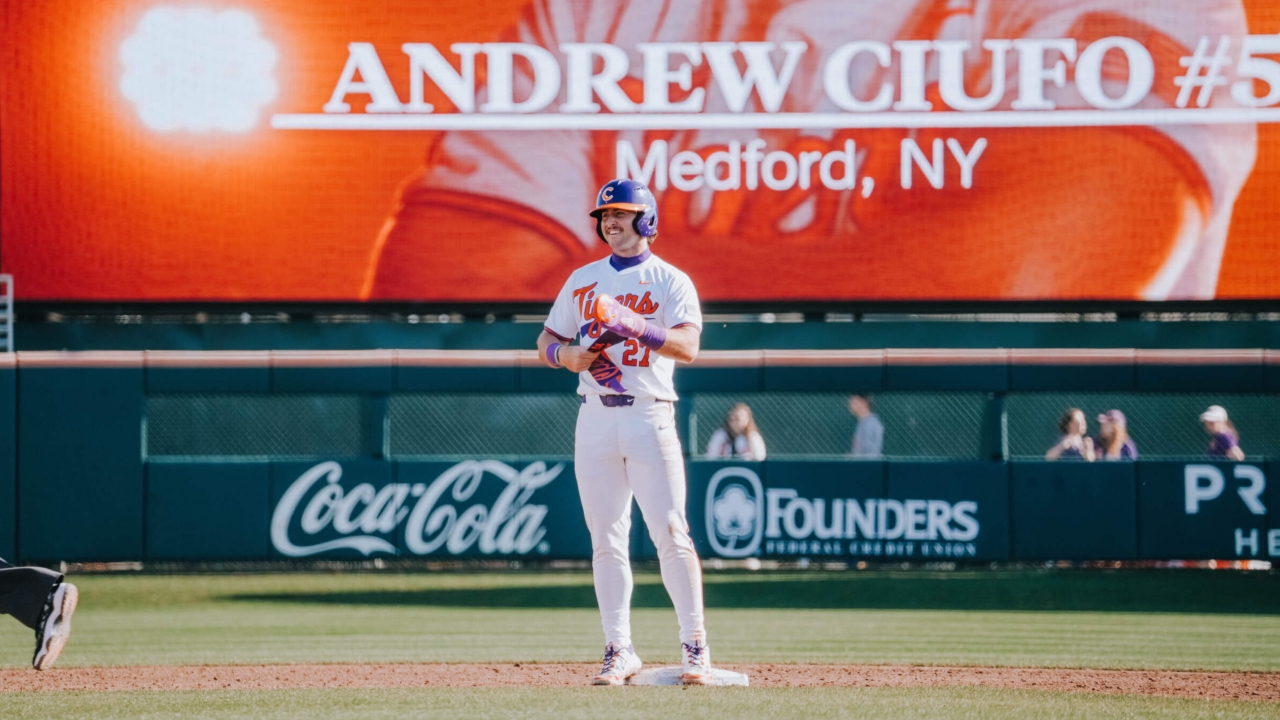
[
  {"x": 1113, "y": 441},
  {"x": 1225, "y": 442}
]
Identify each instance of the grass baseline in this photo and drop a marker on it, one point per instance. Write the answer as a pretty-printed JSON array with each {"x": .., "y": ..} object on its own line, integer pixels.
[
  {"x": 1072, "y": 591},
  {"x": 1176, "y": 620}
]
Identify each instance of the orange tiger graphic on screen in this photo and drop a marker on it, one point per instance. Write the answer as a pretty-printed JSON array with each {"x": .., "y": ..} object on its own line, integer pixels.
[{"x": 1078, "y": 212}]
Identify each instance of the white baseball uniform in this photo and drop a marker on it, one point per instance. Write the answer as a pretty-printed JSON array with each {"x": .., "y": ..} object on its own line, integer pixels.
[{"x": 623, "y": 450}]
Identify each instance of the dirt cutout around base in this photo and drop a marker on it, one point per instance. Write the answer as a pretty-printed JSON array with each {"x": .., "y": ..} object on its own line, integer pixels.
[{"x": 1203, "y": 685}]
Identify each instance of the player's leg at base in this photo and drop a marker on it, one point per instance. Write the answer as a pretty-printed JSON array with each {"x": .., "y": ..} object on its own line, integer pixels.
[
  {"x": 655, "y": 469},
  {"x": 606, "y": 506}
]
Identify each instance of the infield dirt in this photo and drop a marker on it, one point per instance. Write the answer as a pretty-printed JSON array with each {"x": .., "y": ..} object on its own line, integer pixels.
[{"x": 1203, "y": 685}]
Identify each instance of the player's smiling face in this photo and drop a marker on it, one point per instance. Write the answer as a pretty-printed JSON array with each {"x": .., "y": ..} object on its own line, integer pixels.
[{"x": 619, "y": 230}]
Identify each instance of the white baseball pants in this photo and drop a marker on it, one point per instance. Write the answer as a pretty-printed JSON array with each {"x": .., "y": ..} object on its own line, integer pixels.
[{"x": 620, "y": 451}]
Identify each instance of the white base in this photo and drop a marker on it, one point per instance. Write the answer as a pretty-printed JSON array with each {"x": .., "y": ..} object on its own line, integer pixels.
[{"x": 671, "y": 676}]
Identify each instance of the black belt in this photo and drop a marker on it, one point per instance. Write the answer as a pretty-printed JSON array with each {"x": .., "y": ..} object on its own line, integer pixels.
[{"x": 613, "y": 400}]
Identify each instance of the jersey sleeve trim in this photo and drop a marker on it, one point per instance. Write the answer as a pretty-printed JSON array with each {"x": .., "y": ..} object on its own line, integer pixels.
[{"x": 557, "y": 335}]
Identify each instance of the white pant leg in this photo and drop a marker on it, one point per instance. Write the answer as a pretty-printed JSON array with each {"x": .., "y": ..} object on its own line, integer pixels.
[
  {"x": 606, "y": 504},
  {"x": 655, "y": 470}
]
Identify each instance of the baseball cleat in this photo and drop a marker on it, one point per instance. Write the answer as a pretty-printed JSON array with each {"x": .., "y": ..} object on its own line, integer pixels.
[
  {"x": 55, "y": 626},
  {"x": 695, "y": 664},
  {"x": 620, "y": 663}
]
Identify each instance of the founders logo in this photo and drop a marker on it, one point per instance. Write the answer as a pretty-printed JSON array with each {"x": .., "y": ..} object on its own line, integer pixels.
[{"x": 735, "y": 512}]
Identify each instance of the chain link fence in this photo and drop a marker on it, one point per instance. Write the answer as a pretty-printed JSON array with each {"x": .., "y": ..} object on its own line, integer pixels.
[
  {"x": 1162, "y": 425},
  {"x": 208, "y": 426},
  {"x": 438, "y": 424},
  {"x": 919, "y": 425}
]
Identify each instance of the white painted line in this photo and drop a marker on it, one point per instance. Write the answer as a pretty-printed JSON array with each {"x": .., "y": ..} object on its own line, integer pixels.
[{"x": 778, "y": 121}]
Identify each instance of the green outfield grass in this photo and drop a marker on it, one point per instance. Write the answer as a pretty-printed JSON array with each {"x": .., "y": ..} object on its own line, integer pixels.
[
  {"x": 618, "y": 704},
  {"x": 1157, "y": 620}
]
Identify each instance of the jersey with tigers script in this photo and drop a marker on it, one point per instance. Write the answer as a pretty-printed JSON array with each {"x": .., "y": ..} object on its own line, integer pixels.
[{"x": 654, "y": 289}]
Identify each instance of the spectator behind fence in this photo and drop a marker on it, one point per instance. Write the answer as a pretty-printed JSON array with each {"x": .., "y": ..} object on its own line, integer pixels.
[
  {"x": 1074, "y": 444},
  {"x": 738, "y": 438},
  {"x": 1225, "y": 439},
  {"x": 1113, "y": 441},
  {"x": 868, "y": 437}
]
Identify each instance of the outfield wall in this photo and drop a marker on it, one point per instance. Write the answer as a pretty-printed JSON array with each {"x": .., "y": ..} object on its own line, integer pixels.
[
  {"x": 8, "y": 454},
  {"x": 130, "y": 455},
  {"x": 267, "y": 332}
]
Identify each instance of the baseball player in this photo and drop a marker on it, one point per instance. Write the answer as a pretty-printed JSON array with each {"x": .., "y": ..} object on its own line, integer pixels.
[
  {"x": 44, "y": 602},
  {"x": 637, "y": 315}
]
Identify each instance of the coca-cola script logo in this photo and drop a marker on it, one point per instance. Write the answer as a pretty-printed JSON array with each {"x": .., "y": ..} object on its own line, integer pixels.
[{"x": 510, "y": 526}]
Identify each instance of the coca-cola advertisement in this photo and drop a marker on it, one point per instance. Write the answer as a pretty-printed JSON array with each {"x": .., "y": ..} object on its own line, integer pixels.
[{"x": 471, "y": 508}]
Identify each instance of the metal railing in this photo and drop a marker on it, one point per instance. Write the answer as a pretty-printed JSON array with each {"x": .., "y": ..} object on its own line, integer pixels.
[{"x": 6, "y": 313}]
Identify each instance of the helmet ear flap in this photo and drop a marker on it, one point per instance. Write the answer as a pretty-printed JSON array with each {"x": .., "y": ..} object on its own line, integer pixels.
[
  {"x": 600, "y": 229},
  {"x": 646, "y": 222}
]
